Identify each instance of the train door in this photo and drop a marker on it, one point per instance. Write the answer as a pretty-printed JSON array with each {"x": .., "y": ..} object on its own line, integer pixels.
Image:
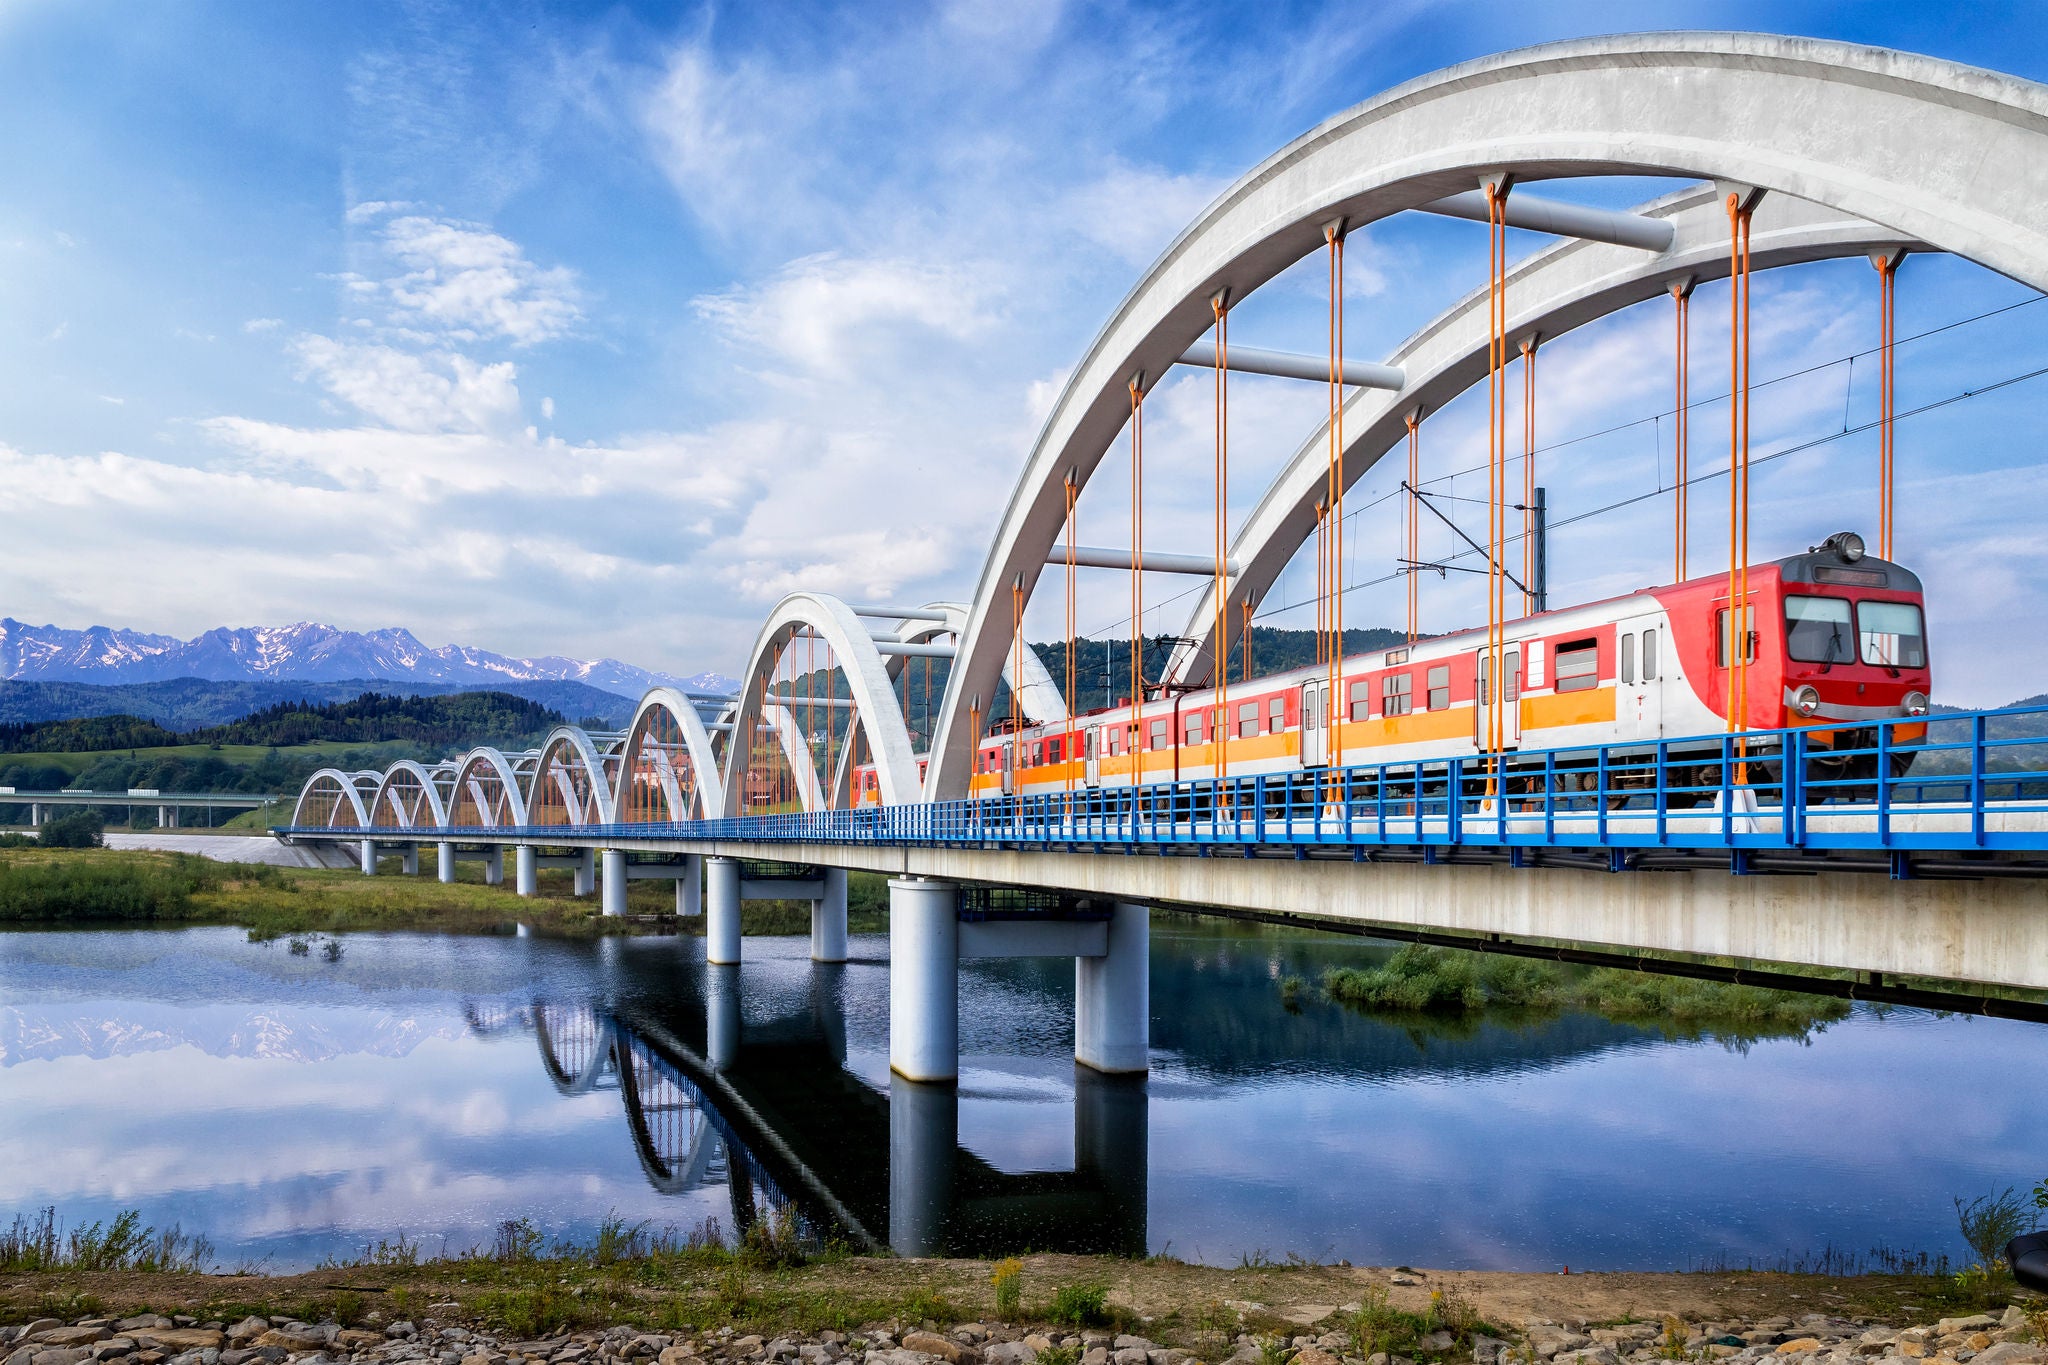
[
  {"x": 1091, "y": 745},
  {"x": 1639, "y": 678},
  {"x": 1511, "y": 700},
  {"x": 1315, "y": 711},
  {"x": 1009, "y": 767}
]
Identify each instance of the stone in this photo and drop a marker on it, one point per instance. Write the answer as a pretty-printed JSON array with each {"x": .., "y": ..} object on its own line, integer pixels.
[
  {"x": 1130, "y": 1355},
  {"x": 1039, "y": 1341},
  {"x": 1095, "y": 1355},
  {"x": 1798, "y": 1345},
  {"x": 1547, "y": 1341},
  {"x": 1973, "y": 1323},
  {"x": 675, "y": 1355},
  {"x": 248, "y": 1329},
  {"x": 297, "y": 1339},
  {"x": 1013, "y": 1352},
  {"x": 2011, "y": 1353},
  {"x": 35, "y": 1327},
  {"x": 59, "y": 1355},
  {"x": 973, "y": 1331},
  {"x": 73, "y": 1336},
  {"x": 1124, "y": 1341},
  {"x": 932, "y": 1344},
  {"x": 143, "y": 1320},
  {"x": 1307, "y": 1314},
  {"x": 178, "y": 1340},
  {"x": 1167, "y": 1355},
  {"x": 1315, "y": 1355},
  {"x": 1436, "y": 1343},
  {"x": 358, "y": 1340}
]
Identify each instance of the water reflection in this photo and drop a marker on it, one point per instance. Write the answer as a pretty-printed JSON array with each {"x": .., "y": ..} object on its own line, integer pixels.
[{"x": 769, "y": 1110}]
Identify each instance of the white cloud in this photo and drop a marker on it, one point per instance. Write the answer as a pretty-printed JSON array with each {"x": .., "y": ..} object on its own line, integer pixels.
[
  {"x": 445, "y": 391},
  {"x": 256, "y": 325},
  {"x": 826, "y": 313},
  {"x": 474, "y": 284}
]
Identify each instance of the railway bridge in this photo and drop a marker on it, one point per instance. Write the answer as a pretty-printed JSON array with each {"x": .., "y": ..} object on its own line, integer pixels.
[{"x": 1853, "y": 849}]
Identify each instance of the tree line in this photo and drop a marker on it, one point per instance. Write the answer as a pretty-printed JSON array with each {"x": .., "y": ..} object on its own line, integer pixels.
[{"x": 459, "y": 719}]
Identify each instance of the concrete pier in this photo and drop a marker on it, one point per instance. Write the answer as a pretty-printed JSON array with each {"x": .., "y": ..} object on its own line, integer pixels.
[
  {"x": 445, "y": 861},
  {"x": 1113, "y": 996},
  {"x": 586, "y": 871},
  {"x": 494, "y": 865},
  {"x": 924, "y": 979},
  {"x": 722, "y": 909},
  {"x": 828, "y": 919},
  {"x": 410, "y": 864},
  {"x": 525, "y": 873},
  {"x": 369, "y": 853},
  {"x": 614, "y": 881},
  {"x": 690, "y": 887}
]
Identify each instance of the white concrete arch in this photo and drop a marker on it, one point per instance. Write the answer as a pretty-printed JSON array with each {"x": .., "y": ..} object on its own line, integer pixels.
[
  {"x": 489, "y": 783},
  {"x": 1796, "y": 116},
  {"x": 654, "y": 763},
  {"x": 405, "y": 807},
  {"x": 346, "y": 794},
  {"x": 572, "y": 777},
  {"x": 1561, "y": 287},
  {"x": 867, "y": 679}
]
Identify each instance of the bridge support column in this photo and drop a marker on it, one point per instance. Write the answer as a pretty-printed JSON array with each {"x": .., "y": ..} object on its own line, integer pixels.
[
  {"x": 1113, "y": 996},
  {"x": 494, "y": 865},
  {"x": 445, "y": 861},
  {"x": 690, "y": 887},
  {"x": 369, "y": 851},
  {"x": 722, "y": 1014},
  {"x": 924, "y": 1140},
  {"x": 828, "y": 919},
  {"x": 615, "y": 881},
  {"x": 722, "y": 909},
  {"x": 586, "y": 871},
  {"x": 525, "y": 873},
  {"x": 35, "y": 814},
  {"x": 924, "y": 979},
  {"x": 411, "y": 865},
  {"x": 166, "y": 817}
]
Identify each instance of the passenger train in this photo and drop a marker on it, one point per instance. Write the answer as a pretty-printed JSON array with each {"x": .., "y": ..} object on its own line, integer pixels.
[{"x": 1835, "y": 640}]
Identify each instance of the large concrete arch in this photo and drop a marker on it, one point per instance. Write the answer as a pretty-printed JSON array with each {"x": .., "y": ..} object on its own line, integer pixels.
[
  {"x": 707, "y": 797},
  {"x": 1795, "y": 116},
  {"x": 566, "y": 750},
  {"x": 348, "y": 792},
  {"x": 1561, "y": 287},
  {"x": 390, "y": 798},
  {"x": 867, "y": 678},
  {"x": 489, "y": 782}
]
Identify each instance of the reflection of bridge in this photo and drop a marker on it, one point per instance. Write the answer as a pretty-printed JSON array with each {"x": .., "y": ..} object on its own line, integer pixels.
[
  {"x": 779, "y": 1121},
  {"x": 1922, "y": 874}
]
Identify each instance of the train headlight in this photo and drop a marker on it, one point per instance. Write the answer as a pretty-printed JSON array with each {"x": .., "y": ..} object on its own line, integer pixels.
[
  {"x": 1806, "y": 701},
  {"x": 1916, "y": 703},
  {"x": 1847, "y": 545}
]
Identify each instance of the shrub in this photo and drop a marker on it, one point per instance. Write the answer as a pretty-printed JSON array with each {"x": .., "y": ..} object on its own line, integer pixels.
[
  {"x": 78, "y": 829},
  {"x": 1080, "y": 1305},
  {"x": 1009, "y": 1282},
  {"x": 1989, "y": 1221}
]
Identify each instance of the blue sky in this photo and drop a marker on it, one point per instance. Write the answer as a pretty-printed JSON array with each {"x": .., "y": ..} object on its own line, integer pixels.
[{"x": 592, "y": 330}]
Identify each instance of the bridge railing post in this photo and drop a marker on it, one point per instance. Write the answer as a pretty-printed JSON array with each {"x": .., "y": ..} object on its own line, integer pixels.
[
  {"x": 1977, "y": 779},
  {"x": 1884, "y": 784},
  {"x": 1454, "y": 787},
  {"x": 1792, "y": 786}
]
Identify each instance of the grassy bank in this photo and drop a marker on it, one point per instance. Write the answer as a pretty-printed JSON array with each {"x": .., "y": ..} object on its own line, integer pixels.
[
  {"x": 113, "y": 887},
  {"x": 1446, "y": 983},
  {"x": 702, "y": 1285}
]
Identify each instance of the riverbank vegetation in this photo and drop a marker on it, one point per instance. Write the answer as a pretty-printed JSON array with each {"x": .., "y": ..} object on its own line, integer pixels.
[
  {"x": 105, "y": 887},
  {"x": 1450, "y": 983}
]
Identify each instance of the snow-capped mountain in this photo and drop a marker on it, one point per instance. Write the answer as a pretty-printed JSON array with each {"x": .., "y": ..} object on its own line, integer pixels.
[{"x": 304, "y": 652}]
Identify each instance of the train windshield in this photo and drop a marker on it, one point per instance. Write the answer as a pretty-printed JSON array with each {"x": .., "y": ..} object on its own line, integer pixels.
[
  {"x": 1817, "y": 629},
  {"x": 1891, "y": 634}
]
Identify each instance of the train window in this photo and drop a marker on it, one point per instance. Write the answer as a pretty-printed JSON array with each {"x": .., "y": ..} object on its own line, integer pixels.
[
  {"x": 1194, "y": 727},
  {"x": 1159, "y": 734},
  {"x": 1650, "y": 655},
  {"x": 1396, "y": 656},
  {"x": 1578, "y": 666},
  {"x": 1440, "y": 687},
  {"x": 1038, "y": 753},
  {"x": 1054, "y": 751},
  {"x": 1721, "y": 636},
  {"x": 1817, "y": 629},
  {"x": 1361, "y": 699},
  {"x": 1396, "y": 698},
  {"x": 1628, "y": 658},
  {"x": 1247, "y": 719},
  {"x": 1890, "y": 634},
  {"x": 1276, "y": 715}
]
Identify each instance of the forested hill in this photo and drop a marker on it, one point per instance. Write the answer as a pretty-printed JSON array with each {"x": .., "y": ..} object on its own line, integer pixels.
[{"x": 461, "y": 720}]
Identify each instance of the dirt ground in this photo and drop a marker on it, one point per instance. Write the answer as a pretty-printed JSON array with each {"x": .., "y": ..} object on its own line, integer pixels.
[{"x": 1159, "y": 1289}]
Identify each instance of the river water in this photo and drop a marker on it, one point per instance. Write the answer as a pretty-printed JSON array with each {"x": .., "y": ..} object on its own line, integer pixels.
[{"x": 299, "y": 1105}]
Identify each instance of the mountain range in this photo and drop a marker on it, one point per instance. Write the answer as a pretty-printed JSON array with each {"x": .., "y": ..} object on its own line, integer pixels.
[{"x": 306, "y": 652}]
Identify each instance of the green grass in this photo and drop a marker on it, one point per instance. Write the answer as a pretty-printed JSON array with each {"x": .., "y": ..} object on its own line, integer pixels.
[{"x": 1452, "y": 985}]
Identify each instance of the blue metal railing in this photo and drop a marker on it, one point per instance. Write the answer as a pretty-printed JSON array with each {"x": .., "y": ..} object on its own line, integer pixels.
[{"x": 1950, "y": 781}]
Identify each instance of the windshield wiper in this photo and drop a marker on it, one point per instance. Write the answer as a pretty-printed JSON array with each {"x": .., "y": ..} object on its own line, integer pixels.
[{"x": 1827, "y": 660}]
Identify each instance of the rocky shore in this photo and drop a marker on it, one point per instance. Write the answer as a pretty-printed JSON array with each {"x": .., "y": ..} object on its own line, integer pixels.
[{"x": 2007, "y": 1338}]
